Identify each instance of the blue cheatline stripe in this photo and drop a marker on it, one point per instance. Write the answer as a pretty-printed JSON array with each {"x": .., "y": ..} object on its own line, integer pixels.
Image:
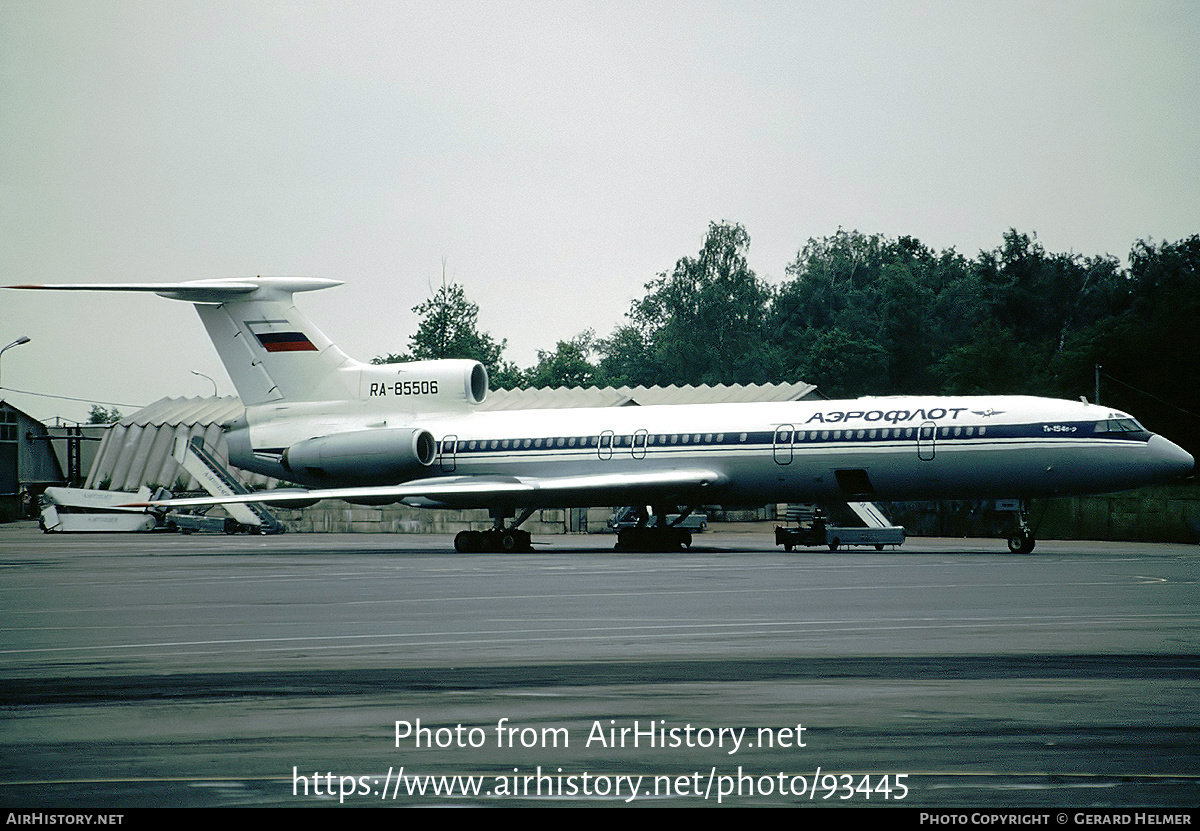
[{"x": 802, "y": 438}]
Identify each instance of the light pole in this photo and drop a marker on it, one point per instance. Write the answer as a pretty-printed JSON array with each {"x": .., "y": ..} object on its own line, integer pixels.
[
  {"x": 17, "y": 342},
  {"x": 214, "y": 383}
]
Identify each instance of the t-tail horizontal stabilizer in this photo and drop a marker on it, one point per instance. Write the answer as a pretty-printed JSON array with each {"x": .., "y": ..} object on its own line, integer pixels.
[
  {"x": 271, "y": 351},
  {"x": 204, "y": 291}
]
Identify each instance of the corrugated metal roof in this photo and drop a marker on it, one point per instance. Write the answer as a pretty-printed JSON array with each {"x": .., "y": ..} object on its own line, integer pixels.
[
  {"x": 138, "y": 449},
  {"x": 554, "y": 398},
  {"x": 175, "y": 411},
  {"x": 569, "y": 397}
]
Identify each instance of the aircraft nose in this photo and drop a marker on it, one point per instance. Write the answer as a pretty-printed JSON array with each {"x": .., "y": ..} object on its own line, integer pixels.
[{"x": 1171, "y": 459}]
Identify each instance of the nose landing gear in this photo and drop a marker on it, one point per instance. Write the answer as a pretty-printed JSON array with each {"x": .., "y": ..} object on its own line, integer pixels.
[{"x": 1022, "y": 542}]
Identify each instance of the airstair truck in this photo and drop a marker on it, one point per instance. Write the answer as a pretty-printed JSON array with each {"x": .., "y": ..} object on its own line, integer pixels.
[
  {"x": 812, "y": 528},
  {"x": 213, "y": 476}
]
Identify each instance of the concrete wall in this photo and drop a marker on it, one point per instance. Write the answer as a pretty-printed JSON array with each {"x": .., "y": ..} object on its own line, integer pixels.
[
  {"x": 333, "y": 516},
  {"x": 1164, "y": 513}
]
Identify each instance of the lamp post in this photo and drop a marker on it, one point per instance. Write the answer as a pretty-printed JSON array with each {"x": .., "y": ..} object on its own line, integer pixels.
[
  {"x": 17, "y": 342},
  {"x": 214, "y": 383}
]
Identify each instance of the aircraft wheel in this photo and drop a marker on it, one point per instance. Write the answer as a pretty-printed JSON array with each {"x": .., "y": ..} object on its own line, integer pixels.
[
  {"x": 833, "y": 545},
  {"x": 1021, "y": 544},
  {"x": 878, "y": 546},
  {"x": 465, "y": 542},
  {"x": 508, "y": 541}
]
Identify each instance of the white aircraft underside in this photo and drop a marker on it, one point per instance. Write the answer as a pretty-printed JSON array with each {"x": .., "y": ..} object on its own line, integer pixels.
[{"x": 412, "y": 433}]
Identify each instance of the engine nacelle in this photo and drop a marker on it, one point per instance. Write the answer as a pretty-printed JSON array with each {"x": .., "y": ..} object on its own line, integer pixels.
[
  {"x": 465, "y": 380},
  {"x": 387, "y": 455},
  {"x": 424, "y": 386}
]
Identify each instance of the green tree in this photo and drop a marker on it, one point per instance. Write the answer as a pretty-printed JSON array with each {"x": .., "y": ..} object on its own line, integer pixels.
[
  {"x": 704, "y": 322},
  {"x": 843, "y": 365},
  {"x": 1029, "y": 321},
  {"x": 854, "y": 316},
  {"x": 627, "y": 358},
  {"x": 1148, "y": 354},
  {"x": 99, "y": 415},
  {"x": 449, "y": 328},
  {"x": 568, "y": 365},
  {"x": 1015, "y": 319}
]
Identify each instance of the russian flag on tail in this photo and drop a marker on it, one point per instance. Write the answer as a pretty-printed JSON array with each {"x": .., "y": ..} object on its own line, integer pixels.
[{"x": 281, "y": 341}]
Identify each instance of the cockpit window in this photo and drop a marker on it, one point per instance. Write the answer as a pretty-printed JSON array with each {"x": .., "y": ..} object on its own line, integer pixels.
[{"x": 1119, "y": 425}]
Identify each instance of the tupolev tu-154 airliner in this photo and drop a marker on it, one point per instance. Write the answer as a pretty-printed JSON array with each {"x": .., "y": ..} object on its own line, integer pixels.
[{"x": 413, "y": 433}]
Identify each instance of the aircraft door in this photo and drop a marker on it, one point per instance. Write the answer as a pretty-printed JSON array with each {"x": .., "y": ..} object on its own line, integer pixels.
[
  {"x": 784, "y": 435},
  {"x": 639, "y": 444},
  {"x": 605, "y": 445},
  {"x": 926, "y": 441},
  {"x": 447, "y": 457}
]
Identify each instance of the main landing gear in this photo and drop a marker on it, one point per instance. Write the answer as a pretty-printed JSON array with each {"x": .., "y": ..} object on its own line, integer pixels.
[{"x": 497, "y": 538}]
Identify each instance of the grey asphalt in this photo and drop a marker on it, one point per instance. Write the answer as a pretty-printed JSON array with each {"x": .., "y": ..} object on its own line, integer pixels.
[{"x": 146, "y": 670}]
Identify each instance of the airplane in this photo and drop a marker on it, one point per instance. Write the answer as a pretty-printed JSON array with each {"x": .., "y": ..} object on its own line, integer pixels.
[{"x": 413, "y": 433}]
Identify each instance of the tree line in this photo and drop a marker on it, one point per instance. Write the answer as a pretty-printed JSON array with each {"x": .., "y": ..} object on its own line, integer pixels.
[{"x": 864, "y": 314}]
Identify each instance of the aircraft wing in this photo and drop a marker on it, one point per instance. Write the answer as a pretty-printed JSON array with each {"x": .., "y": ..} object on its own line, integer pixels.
[{"x": 490, "y": 491}]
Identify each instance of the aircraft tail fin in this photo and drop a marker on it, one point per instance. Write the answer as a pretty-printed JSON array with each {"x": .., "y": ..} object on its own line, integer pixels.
[{"x": 271, "y": 351}]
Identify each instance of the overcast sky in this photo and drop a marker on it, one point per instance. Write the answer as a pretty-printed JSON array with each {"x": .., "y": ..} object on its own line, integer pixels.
[{"x": 555, "y": 156}]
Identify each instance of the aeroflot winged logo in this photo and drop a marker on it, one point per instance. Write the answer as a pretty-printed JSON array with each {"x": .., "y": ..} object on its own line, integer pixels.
[
  {"x": 273, "y": 340},
  {"x": 897, "y": 416}
]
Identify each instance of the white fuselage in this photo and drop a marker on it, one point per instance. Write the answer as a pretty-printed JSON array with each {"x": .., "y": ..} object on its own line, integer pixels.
[{"x": 868, "y": 448}]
